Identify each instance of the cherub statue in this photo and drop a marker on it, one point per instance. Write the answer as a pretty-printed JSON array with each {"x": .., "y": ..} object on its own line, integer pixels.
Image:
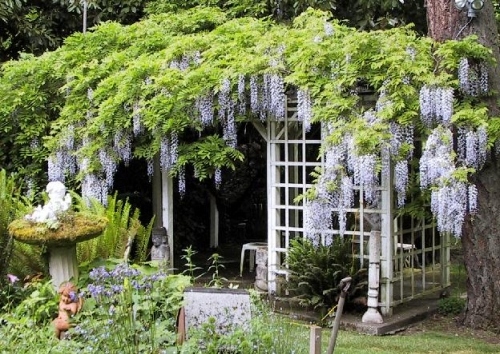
[
  {"x": 59, "y": 201},
  {"x": 69, "y": 304}
]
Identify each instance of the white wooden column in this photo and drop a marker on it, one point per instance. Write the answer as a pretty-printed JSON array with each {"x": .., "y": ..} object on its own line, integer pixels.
[
  {"x": 214, "y": 222},
  {"x": 167, "y": 215},
  {"x": 156, "y": 193},
  {"x": 387, "y": 239}
]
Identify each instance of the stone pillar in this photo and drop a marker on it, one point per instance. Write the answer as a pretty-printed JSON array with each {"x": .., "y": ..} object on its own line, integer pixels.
[
  {"x": 63, "y": 265},
  {"x": 261, "y": 269},
  {"x": 372, "y": 315}
]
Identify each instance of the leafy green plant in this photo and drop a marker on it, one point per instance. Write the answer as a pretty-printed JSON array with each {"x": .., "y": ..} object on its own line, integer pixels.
[
  {"x": 316, "y": 271},
  {"x": 123, "y": 230},
  {"x": 38, "y": 306},
  {"x": 11, "y": 294},
  {"x": 452, "y": 305},
  {"x": 10, "y": 206},
  {"x": 129, "y": 308},
  {"x": 215, "y": 268},
  {"x": 28, "y": 260},
  {"x": 190, "y": 268}
]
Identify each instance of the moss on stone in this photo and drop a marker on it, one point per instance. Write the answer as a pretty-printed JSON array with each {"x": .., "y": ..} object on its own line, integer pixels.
[{"x": 72, "y": 228}]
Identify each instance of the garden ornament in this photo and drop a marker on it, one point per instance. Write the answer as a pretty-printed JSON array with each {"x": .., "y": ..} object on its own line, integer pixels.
[
  {"x": 69, "y": 305},
  {"x": 58, "y": 228},
  {"x": 160, "y": 251},
  {"x": 59, "y": 201}
]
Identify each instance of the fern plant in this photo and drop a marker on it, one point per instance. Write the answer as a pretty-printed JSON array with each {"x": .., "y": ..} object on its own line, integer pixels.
[
  {"x": 123, "y": 232},
  {"x": 11, "y": 205},
  {"x": 316, "y": 271}
]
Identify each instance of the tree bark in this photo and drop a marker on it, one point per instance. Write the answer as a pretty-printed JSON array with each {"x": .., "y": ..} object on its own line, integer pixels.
[
  {"x": 481, "y": 232},
  {"x": 481, "y": 246}
]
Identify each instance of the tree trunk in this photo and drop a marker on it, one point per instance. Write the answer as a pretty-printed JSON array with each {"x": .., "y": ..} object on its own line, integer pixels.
[
  {"x": 481, "y": 245},
  {"x": 481, "y": 233}
]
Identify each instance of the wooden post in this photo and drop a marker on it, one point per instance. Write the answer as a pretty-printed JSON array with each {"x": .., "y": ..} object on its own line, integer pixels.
[{"x": 315, "y": 340}]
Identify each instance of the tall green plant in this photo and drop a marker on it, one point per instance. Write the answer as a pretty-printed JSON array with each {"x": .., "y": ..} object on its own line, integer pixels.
[
  {"x": 124, "y": 230},
  {"x": 11, "y": 205}
]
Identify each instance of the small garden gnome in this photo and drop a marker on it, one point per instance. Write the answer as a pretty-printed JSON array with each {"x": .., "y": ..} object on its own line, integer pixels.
[{"x": 69, "y": 305}]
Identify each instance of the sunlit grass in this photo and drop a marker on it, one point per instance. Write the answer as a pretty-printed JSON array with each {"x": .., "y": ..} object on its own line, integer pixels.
[
  {"x": 429, "y": 342},
  {"x": 295, "y": 336}
]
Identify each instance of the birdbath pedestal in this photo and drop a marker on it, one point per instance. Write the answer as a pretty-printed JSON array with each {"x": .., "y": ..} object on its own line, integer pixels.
[{"x": 60, "y": 241}]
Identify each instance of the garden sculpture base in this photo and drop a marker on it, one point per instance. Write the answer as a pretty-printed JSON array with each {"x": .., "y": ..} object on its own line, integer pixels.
[
  {"x": 54, "y": 225},
  {"x": 63, "y": 264}
]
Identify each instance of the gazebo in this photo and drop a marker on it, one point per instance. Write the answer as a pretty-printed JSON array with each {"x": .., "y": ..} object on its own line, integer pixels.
[{"x": 414, "y": 256}]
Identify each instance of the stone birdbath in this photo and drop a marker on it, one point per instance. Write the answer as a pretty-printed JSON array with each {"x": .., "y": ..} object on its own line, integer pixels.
[{"x": 58, "y": 228}]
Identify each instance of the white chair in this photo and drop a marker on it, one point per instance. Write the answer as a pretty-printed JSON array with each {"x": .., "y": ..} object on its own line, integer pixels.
[
  {"x": 406, "y": 249},
  {"x": 251, "y": 247}
]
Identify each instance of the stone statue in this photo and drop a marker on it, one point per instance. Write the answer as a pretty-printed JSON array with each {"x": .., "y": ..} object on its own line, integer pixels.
[
  {"x": 160, "y": 250},
  {"x": 69, "y": 305},
  {"x": 59, "y": 201}
]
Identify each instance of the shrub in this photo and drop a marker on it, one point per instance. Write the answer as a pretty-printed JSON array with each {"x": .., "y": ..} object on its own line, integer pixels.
[
  {"x": 453, "y": 305},
  {"x": 316, "y": 271}
]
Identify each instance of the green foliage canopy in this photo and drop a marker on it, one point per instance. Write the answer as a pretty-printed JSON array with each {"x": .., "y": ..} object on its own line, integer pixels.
[{"x": 89, "y": 91}]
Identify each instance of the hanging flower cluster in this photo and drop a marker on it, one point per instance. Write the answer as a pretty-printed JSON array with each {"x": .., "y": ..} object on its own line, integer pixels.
[
  {"x": 400, "y": 135},
  {"x": 472, "y": 146},
  {"x": 451, "y": 198},
  {"x": 138, "y": 127},
  {"x": 218, "y": 178},
  {"x": 473, "y": 77},
  {"x": 436, "y": 163},
  {"x": 109, "y": 167},
  {"x": 226, "y": 114},
  {"x": 122, "y": 145},
  {"x": 304, "y": 108},
  {"x": 449, "y": 205},
  {"x": 317, "y": 219},
  {"x": 267, "y": 96},
  {"x": 436, "y": 104},
  {"x": 182, "y": 181},
  {"x": 205, "y": 107},
  {"x": 168, "y": 151},
  {"x": 95, "y": 188}
]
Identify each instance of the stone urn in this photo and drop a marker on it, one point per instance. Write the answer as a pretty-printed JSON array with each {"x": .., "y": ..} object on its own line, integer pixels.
[{"x": 59, "y": 229}]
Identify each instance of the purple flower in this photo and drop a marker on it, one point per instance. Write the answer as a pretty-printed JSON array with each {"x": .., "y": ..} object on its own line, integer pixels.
[
  {"x": 12, "y": 278},
  {"x": 73, "y": 296},
  {"x": 95, "y": 290}
]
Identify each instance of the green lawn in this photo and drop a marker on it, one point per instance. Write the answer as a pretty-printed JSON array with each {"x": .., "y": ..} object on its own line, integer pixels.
[{"x": 429, "y": 342}]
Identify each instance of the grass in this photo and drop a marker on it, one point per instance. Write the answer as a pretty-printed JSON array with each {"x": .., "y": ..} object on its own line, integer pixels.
[
  {"x": 430, "y": 342},
  {"x": 349, "y": 342}
]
